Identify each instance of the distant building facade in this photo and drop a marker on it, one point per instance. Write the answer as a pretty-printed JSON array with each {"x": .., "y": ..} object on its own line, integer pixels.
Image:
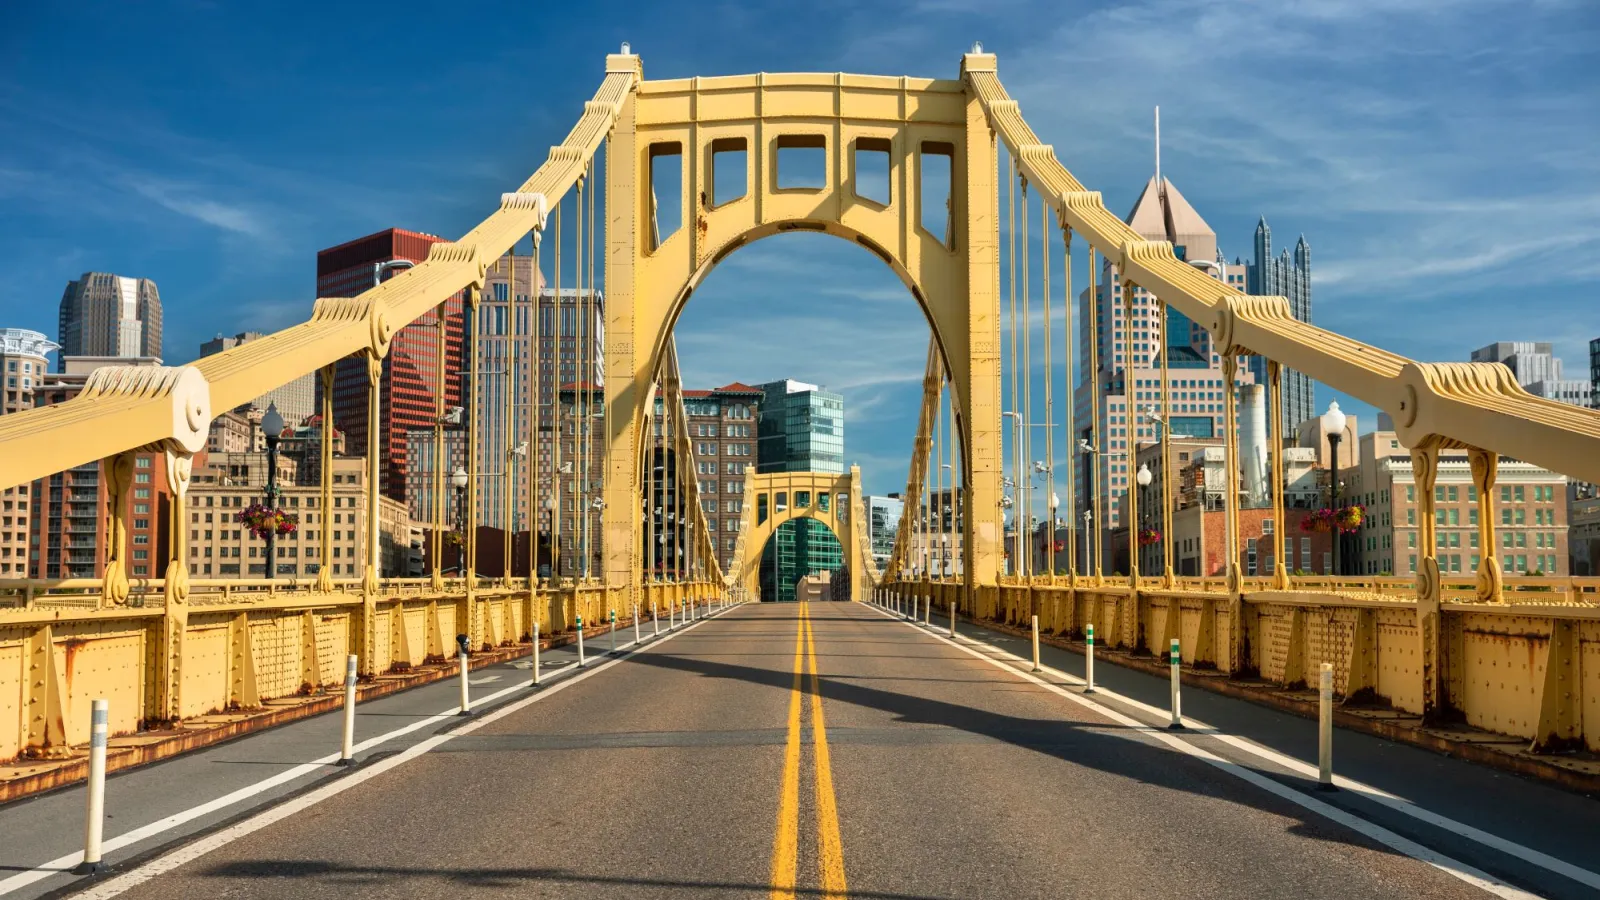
[
  {"x": 221, "y": 547},
  {"x": 1538, "y": 370},
  {"x": 24, "y": 362},
  {"x": 883, "y": 523},
  {"x": 722, "y": 438},
  {"x": 801, "y": 429},
  {"x": 1288, "y": 277},
  {"x": 1129, "y": 375},
  {"x": 1530, "y": 504},
  {"x": 68, "y": 518},
  {"x": 296, "y": 400},
  {"x": 110, "y": 316},
  {"x": 407, "y": 387}
]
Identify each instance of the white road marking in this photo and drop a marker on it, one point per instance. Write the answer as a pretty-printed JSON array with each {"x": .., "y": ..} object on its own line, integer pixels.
[
  {"x": 1469, "y": 874},
  {"x": 67, "y": 862},
  {"x": 484, "y": 679},
  {"x": 1375, "y": 794}
]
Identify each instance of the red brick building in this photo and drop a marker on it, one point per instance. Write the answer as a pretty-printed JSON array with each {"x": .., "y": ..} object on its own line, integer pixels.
[{"x": 407, "y": 389}]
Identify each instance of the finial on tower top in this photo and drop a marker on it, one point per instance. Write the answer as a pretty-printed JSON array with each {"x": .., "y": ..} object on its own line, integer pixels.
[
  {"x": 626, "y": 50},
  {"x": 977, "y": 46}
]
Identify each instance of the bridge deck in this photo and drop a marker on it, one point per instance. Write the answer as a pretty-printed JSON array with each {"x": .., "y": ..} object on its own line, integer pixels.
[{"x": 661, "y": 775}]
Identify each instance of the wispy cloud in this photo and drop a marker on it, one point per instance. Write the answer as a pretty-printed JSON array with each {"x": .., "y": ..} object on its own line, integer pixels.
[{"x": 176, "y": 198}]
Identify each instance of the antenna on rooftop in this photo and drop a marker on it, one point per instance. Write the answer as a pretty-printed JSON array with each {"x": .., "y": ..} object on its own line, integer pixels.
[{"x": 1158, "y": 148}]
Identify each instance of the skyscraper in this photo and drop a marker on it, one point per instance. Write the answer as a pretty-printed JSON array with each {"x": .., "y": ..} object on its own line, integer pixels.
[
  {"x": 1129, "y": 377},
  {"x": 1538, "y": 369},
  {"x": 110, "y": 316},
  {"x": 800, "y": 429},
  {"x": 407, "y": 388},
  {"x": 296, "y": 400},
  {"x": 1289, "y": 277}
]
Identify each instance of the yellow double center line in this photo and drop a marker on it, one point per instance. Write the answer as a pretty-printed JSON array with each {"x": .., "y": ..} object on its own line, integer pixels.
[{"x": 785, "y": 844}]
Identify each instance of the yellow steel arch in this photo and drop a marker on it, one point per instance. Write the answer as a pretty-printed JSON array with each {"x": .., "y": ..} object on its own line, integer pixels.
[
  {"x": 953, "y": 276},
  {"x": 777, "y": 498}
]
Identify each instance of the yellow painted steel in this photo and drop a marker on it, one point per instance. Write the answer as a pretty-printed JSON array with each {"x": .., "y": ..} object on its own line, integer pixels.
[
  {"x": 651, "y": 277},
  {"x": 834, "y": 500},
  {"x": 1503, "y": 653}
]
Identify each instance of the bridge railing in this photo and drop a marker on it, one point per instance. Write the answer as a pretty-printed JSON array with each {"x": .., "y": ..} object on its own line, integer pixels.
[
  {"x": 1512, "y": 667},
  {"x": 234, "y": 646}
]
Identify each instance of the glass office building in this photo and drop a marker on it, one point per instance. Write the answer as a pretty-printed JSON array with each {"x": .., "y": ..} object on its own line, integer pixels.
[{"x": 800, "y": 429}]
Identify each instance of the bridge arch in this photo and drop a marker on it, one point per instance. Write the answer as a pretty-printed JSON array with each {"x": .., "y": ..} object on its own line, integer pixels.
[
  {"x": 952, "y": 276},
  {"x": 779, "y": 498}
]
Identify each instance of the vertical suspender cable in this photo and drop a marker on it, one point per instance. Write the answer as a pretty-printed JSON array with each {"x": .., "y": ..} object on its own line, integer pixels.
[
  {"x": 1095, "y": 505},
  {"x": 591, "y": 537},
  {"x": 508, "y": 357},
  {"x": 1025, "y": 456},
  {"x": 558, "y": 429},
  {"x": 1016, "y": 411},
  {"x": 581, "y": 396},
  {"x": 1167, "y": 473},
  {"x": 1071, "y": 398},
  {"x": 1050, "y": 434},
  {"x": 535, "y": 409}
]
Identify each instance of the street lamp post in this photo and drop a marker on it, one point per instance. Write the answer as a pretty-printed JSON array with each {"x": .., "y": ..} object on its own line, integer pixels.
[
  {"x": 1087, "y": 525},
  {"x": 272, "y": 427},
  {"x": 458, "y": 480},
  {"x": 1333, "y": 426},
  {"x": 1144, "y": 478}
]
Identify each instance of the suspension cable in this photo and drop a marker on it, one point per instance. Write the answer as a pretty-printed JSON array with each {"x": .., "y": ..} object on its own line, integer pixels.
[
  {"x": 1096, "y": 505},
  {"x": 557, "y": 414},
  {"x": 1049, "y": 400},
  {"x": 1071, "y": 398},
  {"x": 1016, "y": 412},
  {"x": 1167, "y": 473},
  {"x": 1025, "y": 458},
  {"x": 535, "y": 409},
  {"x": 581, "y": 397}
]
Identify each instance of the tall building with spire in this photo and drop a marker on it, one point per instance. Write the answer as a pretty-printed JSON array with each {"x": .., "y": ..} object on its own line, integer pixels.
[
  {"x": 1129, "y": 372},
  {"x": 1289, "y": 277}
]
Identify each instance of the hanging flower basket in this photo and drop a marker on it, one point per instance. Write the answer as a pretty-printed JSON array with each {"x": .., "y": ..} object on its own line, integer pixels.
[
  {"x": 1345, "y": 519},
  {"x": 455, "y": 538},
  {"x": 263, "y": 520},
  {"x": 1148, "y": 536},
  {"x": 1349, "y": 518},
  {"x": 1060, "y": 546}
]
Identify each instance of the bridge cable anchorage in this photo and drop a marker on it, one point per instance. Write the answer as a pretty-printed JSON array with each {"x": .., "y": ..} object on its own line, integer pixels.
[{"x": 532, "y": 200}]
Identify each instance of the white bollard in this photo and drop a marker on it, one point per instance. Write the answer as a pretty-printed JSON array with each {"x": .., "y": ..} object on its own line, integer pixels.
[
  {"x": 536, "y": 675},
  {"x": 952, "y": 617},
  {"x": 580, "y": 642},
  {"x": 672, "y": 616},
  {"x": 613, "y": 631},
  {"x": 347, "y": 750},
  {"x": 927, "y": 613},
  {"x": 1088, "y": 659},
  {"x": 1325, "y": 729},
  {"x": 94, "y": 823},
  {"x": 655, "y": 620},
  {"x": 466, "y": 695},
  {"x": 1036, "y": 643},
  {"x": 1177, "y": 708},
  {"x": 636, "y": 638}
]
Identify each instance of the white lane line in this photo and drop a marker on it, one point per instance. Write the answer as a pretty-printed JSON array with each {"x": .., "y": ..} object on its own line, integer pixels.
[
  {"x": 1375, "y": 794},
  {"x": 1469, "y": 874},
  {"x": 67, "y": 862},
  {"x": 484, "y": 679}
]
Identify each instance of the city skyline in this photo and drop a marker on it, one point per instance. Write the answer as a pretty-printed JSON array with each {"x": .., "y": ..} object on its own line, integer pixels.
[{"x": 231, "y": 189}]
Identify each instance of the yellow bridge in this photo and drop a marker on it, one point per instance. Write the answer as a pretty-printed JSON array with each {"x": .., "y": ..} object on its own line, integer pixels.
[{"x": 1510, "y": 655}]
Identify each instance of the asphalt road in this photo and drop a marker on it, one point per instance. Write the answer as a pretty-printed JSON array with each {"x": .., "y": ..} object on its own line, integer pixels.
[{"x": 813, "y": 750}]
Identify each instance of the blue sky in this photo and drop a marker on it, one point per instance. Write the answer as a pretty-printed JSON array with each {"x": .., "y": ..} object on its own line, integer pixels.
[{"x": 1439, "y": 156}]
